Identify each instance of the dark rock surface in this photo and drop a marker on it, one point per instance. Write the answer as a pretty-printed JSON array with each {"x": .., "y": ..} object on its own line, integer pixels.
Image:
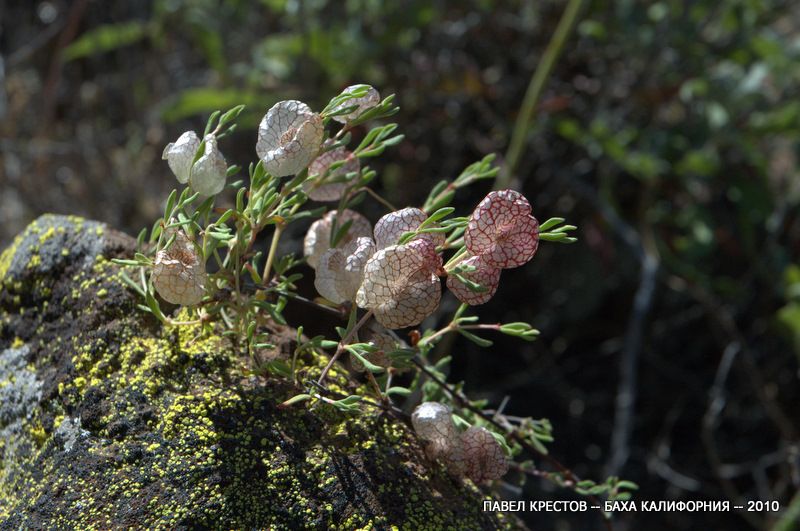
[{"x": 110, "y": 420}]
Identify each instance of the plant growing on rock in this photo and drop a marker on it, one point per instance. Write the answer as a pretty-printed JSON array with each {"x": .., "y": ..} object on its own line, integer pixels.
[{"x": 312, "y": 166}]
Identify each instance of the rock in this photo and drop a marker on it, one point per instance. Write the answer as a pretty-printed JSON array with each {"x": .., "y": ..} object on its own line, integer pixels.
[{"x": 109, "y": 419}]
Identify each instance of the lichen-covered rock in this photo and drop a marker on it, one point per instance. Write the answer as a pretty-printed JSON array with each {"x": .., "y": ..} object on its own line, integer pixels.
[{"x": 109, "y": 420}]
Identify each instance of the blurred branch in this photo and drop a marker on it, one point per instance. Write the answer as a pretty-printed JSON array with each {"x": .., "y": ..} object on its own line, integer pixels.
[
  {"x": 626, "y": 392},
  {"x": 23, "y": 53},
  {"x": 50, "y": 91},
  {"x": 716, "y": 403},
  {"x": 643, "y": 301},
  {"x": 755, "y": 378},
  {"x": 534, "y": 92},
  {"x": 669, "y": 474},
  {"x": 725, "y": 320}
]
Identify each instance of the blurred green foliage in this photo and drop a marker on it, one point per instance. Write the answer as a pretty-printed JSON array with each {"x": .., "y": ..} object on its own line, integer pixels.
[{"x": 680, "y": 116}]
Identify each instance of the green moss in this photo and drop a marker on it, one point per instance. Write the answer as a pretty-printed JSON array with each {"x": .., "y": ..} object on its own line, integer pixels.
[
  {"x": 7, "y": 255},
  {"x": 176, "y": 431}
]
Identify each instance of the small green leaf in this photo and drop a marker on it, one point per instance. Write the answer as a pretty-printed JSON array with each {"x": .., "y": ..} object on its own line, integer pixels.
[
  {"x": 296, "y": 400},
  {"x": 371, "y": 367},
  {"x": 121, "y": 261},
  {"x": 460, "y": 422},
  {"x": 630, "y": 485},
  {"x": 550, "y": 223},
  {"x": 279, "y": 368},
  {"x": 105, "y": 38},
  {"x": 341, "y": 232},
  {"x": 231, "y": 114},
  {"x": 481, "y": 342}
]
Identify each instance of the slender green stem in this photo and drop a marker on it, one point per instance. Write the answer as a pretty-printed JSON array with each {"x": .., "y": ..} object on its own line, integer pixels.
[
  {"x": 480, "y": 327},
  {"x": 455, "y": 259},
  {"x": 534, "y": 92},
  {"x": 377, "y": 197},
  {"x": 374, "y": 383},
  {"x": 170, "y": 322},
  {"x": 447, "y": 189},
  {"x": 452, "y": 245},
  {"x": 345, "y": 340},
  {"x": 295, "y": 354},
  {"x": 462, "y": 400},
  {"x": 345, "y": 128},
  {"x": 449, "y": 328},
  {"x": 273, "y": 247}
]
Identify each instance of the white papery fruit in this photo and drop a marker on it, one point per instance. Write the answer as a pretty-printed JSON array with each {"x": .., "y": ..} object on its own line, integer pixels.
[
  {"x": 328, "y": 186},
  {"x": 318, "y": 237},
  {"x": 179, "y": 275},
  {"x": 433, "y": 424},
  {"x": 339, "y": 274},
  {"x": 210, "y": 171},
  {"x": 369, "y": 100},
  {"x": 390, "y": 227},
  {"x": 289, "y": 138},
  {"x": 401, "y": 285},
  {"x": 206, "y": 176},
  {"x": 484, "y": 458},
  {"x": 180, "y": 155}
]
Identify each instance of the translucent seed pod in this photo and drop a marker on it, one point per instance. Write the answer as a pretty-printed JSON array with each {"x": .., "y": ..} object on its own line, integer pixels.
[
  {"x": 289, "y": 138},
  {"x": 328, "y": 186},
  {"x": 206, "y": 176},
  {"x": 484, "y": 458},
  {"x": 318, "y": 237},
  {"x": 180, "y": 155},
  {"x": 179, "y": 275},
  {"x": 339, "y": 275},
  {"x": 433, "y": 424},
  {"x": 393, "y": 225},
  {"x": 401, "y": 285},
  {"x": 210, "y": 171},
  {"x": 502, "y": 230},
  {"x": 455, "y": 461},
  {"x": 371, "y": 99},
  {"x": 330, "y": 276},
  {"x": 486, "y": 276}
]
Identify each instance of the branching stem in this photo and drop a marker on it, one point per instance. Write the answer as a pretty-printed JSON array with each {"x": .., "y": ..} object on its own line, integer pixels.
[
  {"x": 569, "y": 476},
  {"x": 534, "y": 91},
  {"x": 344, "y": 342}
]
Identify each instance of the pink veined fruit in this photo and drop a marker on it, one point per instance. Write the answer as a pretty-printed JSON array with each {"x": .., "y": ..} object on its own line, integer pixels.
[
  {"x": 391, "y": 227},
  {"x": 502, "y": 230},
  {"x": 487, "y": 276},
  {"x": 179, "y": 274},
  {"x": 322, "y": 188},
  {"x": 484, "y": 458},
  {"x": 318, "y": 238},
  {"x": 378, "y": 337},
  {"x": 289, "y": 138},
  {"x": 401, "y": 285}
]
